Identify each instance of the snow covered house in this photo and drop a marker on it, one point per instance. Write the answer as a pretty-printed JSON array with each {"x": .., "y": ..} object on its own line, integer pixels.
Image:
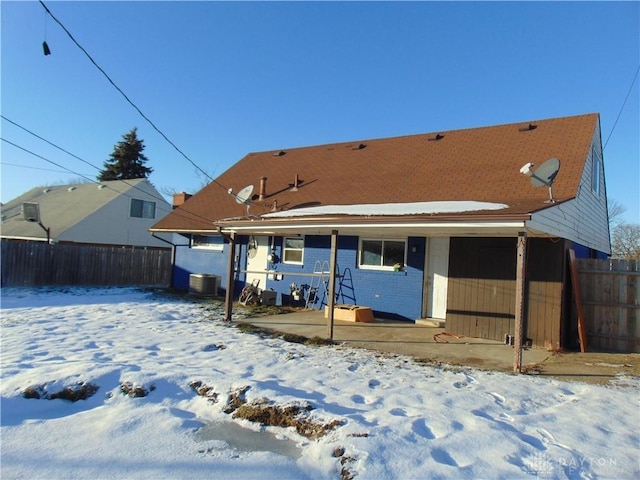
[
  {"x": 416, "y": 227},
  {"x": 115, "y": 213}
]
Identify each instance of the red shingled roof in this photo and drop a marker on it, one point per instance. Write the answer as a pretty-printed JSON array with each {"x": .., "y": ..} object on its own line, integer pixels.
[{"x": 477, "y": 164}]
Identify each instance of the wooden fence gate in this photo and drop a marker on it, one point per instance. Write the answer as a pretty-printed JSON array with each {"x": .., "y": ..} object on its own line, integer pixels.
[
  {"x": 611, "y": 303},
  {"x": 38, "y": 263}
]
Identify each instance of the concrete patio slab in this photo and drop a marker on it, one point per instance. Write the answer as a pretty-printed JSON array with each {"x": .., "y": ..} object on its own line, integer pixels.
[
  {"x": 437, "y": 346},
  {"x": 404, "y": 338}
]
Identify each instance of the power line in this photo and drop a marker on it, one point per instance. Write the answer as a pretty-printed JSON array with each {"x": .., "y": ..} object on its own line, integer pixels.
[
  {"x": 32, "y": 168},
  {"x": 130, "y": 101},
  {"x": 47, "y": 141},
  {"x": 622, "y": 108},
  {"x": 90, "y": 180},
  {"x": 86, "y": 162}
]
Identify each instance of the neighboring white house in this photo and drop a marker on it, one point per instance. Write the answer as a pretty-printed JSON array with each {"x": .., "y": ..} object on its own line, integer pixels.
[{"x": 118, "y": 212}]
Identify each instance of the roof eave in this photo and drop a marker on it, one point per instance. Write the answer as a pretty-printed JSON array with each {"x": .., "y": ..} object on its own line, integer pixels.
[{"x": 489, "y": 225}]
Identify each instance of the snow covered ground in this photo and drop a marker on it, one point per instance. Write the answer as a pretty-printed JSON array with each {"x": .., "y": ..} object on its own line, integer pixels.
[{"x": 399, "y": 419}]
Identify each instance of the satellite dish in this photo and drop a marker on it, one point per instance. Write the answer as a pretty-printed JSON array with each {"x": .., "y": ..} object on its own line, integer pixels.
[
  {"x": 31, "y": 212},
  {"x": 244, "y": 195},
  {"x": 545, "y": 174}
]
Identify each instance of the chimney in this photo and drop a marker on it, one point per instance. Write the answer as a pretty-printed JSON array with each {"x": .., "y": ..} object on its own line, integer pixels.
[
  {"x": 263, "y": 188},
  {"x": 180, "y": 198}
]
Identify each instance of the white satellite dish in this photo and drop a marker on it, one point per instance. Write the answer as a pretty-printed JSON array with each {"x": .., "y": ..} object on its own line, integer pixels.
[
  {"x": 244, "y": 195},
  {"x": 545, "y": 174}
]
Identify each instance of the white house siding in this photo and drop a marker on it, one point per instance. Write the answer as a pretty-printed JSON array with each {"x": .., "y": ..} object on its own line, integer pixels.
[
  {"x": 584, "y": 219},
  {"x": 112, "y": 224}
]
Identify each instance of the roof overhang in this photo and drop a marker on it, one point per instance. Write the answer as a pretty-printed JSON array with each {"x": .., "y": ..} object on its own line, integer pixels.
[
  {"x": 185, "y": 231},
  {"x": 485, "y": 226},
  {"x": 29, "y": 239}
]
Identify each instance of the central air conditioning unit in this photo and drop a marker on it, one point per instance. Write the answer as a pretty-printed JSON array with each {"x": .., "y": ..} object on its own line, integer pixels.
[{"x": 204, "y": 284}]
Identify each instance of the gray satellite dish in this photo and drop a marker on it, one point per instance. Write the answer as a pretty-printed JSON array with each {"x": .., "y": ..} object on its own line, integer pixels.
[
  {"x": 545, "y": 174},
  {"x": 243, "y": 196},
  {"x": 31, "y": 212}
]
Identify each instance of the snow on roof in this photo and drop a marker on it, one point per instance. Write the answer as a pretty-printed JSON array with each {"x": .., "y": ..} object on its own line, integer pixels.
[{"x": 415, "y": 208}]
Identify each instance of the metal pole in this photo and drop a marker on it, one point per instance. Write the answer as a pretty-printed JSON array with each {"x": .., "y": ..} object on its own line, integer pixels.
[
  {"x": 332, "y": 281},
  {"x": 520, "y": 293},
  {"x": 228, "y": 298}
]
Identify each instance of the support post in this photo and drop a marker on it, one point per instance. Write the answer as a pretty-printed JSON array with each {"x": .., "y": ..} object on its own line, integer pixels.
[
  {"x": 231, "y": 261},
  {"x": 520, "y": 293},
  {"x": 332, "y": 282},
  {"x": 575, "y": 281}
]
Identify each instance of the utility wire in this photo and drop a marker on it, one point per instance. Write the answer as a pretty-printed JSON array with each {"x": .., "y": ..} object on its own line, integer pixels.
[
  {"x": 131, "y": 102},
  {"x": 89, "y": 163},
  {"x": 32, "y": 168},
  {"x": 47, "y": 141},
  {"x": 622, "y": 108},
  {"x": 90, "y": 180}
]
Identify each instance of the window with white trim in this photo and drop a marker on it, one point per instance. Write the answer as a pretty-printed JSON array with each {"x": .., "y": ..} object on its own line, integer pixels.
[
  {"x": 382, "y": 254},
  {"x": 293, "y": 250},
  {"x": 209, "y": 242},
  {"x": 596, "y": 168},
  {"x": 142, "y": 208}
]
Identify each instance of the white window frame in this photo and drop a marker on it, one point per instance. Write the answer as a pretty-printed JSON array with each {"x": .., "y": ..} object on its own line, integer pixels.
[
  {"x": 285, "y": 249},
  {"x": 216, "y": 247},
  {"x": 596, "y": 169},
  {"x": 145, "y": 203},
  {"x": 365, "y": 266}
]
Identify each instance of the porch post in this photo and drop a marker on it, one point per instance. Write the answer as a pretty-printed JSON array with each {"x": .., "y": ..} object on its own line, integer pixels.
[
  {"x": 332, "y": 282},
  {"x": 520, "y": 292},
  {"x": 231, "y": 261}
]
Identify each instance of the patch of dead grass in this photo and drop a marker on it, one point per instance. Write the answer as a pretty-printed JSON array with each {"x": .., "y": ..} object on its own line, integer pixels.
[
  {"x": 204, "y": 390},
  {"x": 236, "y": 399},
  {"x": 285, "y": 416},
  {"x": 73, "y": 393},
  {"x": 134, "y": 390}
]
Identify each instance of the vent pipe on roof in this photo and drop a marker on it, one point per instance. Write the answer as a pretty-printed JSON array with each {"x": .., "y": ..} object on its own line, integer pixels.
[
  {"x": 532, "y": 126},
  {"x": 263, "y": 188},
  {"x": 296, "y": 180}
]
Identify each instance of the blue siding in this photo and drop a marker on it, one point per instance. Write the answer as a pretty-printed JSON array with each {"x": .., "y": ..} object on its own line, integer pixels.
[
  {"x": 196, "y": 260},
  {"x": 389, "y": 294},
  {"x": 586, "y": 252}
]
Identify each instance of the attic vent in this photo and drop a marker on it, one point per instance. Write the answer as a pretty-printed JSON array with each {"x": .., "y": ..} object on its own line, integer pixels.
[
  {"x": 532, "y": 126},
  {"x": 360, "y": 147},
  {"x": 71, "y": 189},
  {"x": 100, "y": 186},
  {"x": 280, "y": 153},
  {"x": 436, "y": 138},
  {"x": 46, "y": 190}
]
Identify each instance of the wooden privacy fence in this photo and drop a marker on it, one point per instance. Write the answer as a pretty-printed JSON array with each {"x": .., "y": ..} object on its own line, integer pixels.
[
  {"x": 611, "y": 303},
  {"x": 38, "y": 263}
]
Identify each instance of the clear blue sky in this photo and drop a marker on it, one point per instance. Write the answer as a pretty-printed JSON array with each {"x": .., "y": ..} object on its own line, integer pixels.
[{"x": 222, "y": 79}]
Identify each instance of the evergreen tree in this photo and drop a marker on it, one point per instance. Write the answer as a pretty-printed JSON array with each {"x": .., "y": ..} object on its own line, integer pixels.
[{"x": 127, "y": 160}]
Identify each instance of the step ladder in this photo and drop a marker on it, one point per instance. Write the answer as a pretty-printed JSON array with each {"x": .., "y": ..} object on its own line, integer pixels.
[{"x": 320, "y": 278}]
